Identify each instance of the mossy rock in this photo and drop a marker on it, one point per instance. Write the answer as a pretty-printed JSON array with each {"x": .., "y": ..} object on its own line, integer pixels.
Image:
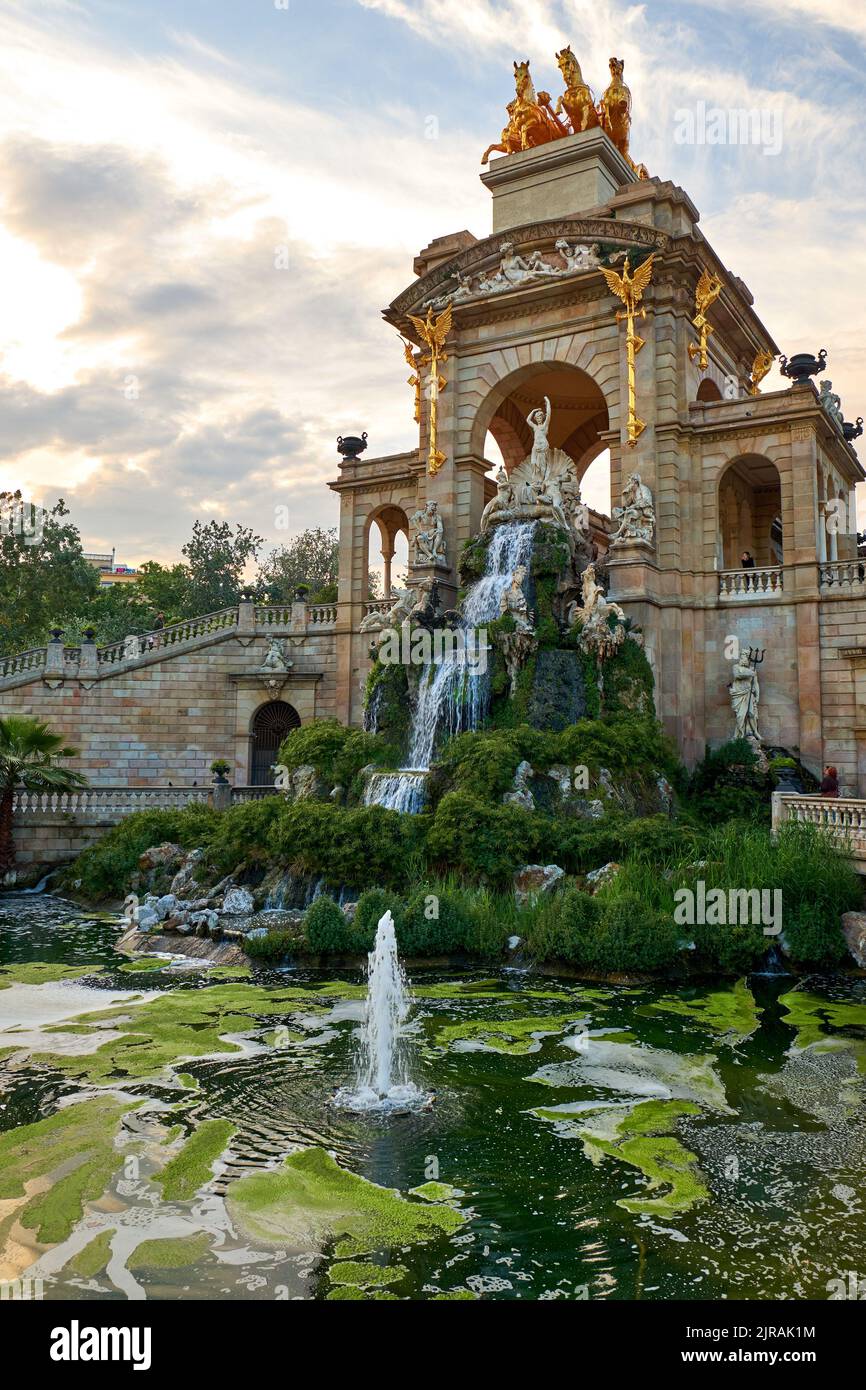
[{"x": 557, "y": 698}]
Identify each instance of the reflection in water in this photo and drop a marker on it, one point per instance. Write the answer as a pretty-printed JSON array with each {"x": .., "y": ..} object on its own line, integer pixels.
[{"x": 771, "y": 1114}]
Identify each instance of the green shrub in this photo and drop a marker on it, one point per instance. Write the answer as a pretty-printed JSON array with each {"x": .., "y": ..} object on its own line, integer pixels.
[
  {"x": 632, "y": 936},
  {"x": 326, "y": 928},
  {"x": 728, "y": 784},
  {"x": 357, "y": 848},
  {"x": 336, "y": 751},
  {"x": 105, "y": 867},
  {"x": 483, "y": 841},
  {"x": 372, "y": 905},
  {"x": 490, "y": 920},
  {"x": 241, "y": 833},
  {"x": 434, "y": 923},
  {"x": 273, "y": 946},
  {"x": 562, "y": 927}
]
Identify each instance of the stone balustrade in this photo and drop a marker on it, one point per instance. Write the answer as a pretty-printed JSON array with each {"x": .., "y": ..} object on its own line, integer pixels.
[
  {"x": 843, "y": 817},
  {"x": 378, "y": 605},
  {"x": 846, "y": 576},
  {"x": 755, "y": 583},
  {"x": 22, "y": 664},
  {"x": 88, "y": 661}
]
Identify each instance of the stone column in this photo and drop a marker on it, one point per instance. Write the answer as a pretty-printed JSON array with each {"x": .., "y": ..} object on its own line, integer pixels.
[
  {"x": 88, "y": 664},
  {"x": 246, "y": 618},
  {"x": 54, "y": 654}
]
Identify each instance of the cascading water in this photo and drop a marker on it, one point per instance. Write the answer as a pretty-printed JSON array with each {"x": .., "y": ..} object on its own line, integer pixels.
[
  {"x": 454, "y": 691},
  {"x": 382, "y": 1080}
]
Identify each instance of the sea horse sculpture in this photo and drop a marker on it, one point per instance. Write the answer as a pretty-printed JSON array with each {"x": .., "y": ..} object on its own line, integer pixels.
[
  {"x": 614, "y": 113},
  {"x": 530, "y": 120},
  {"x": 577, "y": 100}
]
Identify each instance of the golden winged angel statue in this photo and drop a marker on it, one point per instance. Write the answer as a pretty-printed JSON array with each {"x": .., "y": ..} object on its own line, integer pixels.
[
  {"x": 709, "y": 288},
  {"x": 629, "y": 287},
  {"x": 433, "y": 331}
]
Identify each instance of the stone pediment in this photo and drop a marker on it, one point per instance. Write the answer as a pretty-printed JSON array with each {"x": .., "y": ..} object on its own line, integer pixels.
[{"x": 484, "y": 255}]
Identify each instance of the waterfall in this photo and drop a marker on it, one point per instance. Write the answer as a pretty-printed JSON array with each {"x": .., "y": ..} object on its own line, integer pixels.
[
  {"x": 382, "y": 1080},
  {"x": 397, "y": 791},
  {"x": 453, "y": 693}
]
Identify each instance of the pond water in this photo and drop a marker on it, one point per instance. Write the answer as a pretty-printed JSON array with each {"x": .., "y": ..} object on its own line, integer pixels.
[{"x": 588, "y": 1141}]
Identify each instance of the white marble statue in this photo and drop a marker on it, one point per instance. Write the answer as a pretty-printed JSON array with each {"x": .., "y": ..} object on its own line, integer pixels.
[
  {"x": 539, "y": 422},
  {"x": 596, "y": 634},
  {"x": 513, "y": 601},
  {"x": 275, "y": 657},
  {"x": 463, "y": 290},
  {"x": 430, "y": 536},
  {"x": 636, "y": 518},
  {"x": 745, "y": 694},
  {"x": 581, "y": 258}
]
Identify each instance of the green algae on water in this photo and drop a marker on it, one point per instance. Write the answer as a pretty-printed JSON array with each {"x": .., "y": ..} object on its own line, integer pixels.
[
  {"x": 77, "y": 1143},
  {"x": 810, "y": 1015},
  {"x": 362, "y": 1274},
  {"x": 436, "y": 1192},
  {"x": 511, "y": 1035},
  {"x": 34, "y": 972},
  {"x": 311, "y": 1200},
  {"x": 170, "y": 1252},
  {"x": 730, "y": 1012},
  {"x": 143, "y": 963},
  {"x": 190, "y": 1169},
  {"x": 94, "y": 1257}
]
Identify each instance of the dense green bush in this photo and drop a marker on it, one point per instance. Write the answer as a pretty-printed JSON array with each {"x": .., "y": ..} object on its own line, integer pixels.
[
  {"x": 372, "y": 906},
  {"x": 359, "y": 847},
  {"x": 273, "y": 946},
  {"x": 728, "y": 784},
  {"x": 105, "y": 868},
  {"x": 326, "y": 928},
  {"x": 336, "y": 751},
  {"x": 632, "y": 936},
  {"x": 241, "y": 833},
  {"x": 562, "y": 926},
  {"x": 485, "y": 841},
  {"x": 435, "y": 922}
]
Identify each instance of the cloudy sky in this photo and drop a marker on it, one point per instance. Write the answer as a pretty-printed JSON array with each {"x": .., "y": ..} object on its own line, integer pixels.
[{"x": 204, "y": 205}]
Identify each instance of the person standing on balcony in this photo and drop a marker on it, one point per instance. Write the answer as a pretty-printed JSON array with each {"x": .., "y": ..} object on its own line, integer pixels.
[
  {"x": 747, "y": 560},
  {"x": 155, "y": 639},
  {"x": 830, "y": 782}
]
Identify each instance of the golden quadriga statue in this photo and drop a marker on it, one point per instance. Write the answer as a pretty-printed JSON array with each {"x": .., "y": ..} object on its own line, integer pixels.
[{"x": 533, "y": 121}]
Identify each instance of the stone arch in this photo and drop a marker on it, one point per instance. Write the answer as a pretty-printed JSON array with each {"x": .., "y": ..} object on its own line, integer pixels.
[
  {"x": 517, "y": 388},
  {"x": 708, "y": 390},
  {"x": 391, "y": 522},
  {"x": 270, "y": 724},
  {"x": 749, "y": 511}
]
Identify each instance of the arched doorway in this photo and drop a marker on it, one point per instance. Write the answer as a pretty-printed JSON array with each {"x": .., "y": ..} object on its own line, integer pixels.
[
  {"x": 750, "y": 509},
  {"x": 270, "y": 725}
]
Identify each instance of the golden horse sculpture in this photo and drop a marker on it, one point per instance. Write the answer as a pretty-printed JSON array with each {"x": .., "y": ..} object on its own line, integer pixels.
[
  {"x": 577, "y": 100},
  {"x": 531, "y": 121},
  {"x": 614, "y": 113}
]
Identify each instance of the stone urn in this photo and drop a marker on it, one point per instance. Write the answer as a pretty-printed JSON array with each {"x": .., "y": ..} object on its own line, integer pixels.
[
  {"x": 351, "y": 447},
  {"x": 802, "y": 366},
  {"x": 853, "y": 431}
]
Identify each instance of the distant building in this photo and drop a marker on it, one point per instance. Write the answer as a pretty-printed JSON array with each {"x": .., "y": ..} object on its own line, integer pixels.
[{"x": 109, "y": 572}]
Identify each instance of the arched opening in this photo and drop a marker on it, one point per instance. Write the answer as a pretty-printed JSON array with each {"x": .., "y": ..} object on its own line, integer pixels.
[
  {"x": 387, "y": 551},
  {"x": 708, "y": 391},
  {"x": 269, "y": 726},
  {"x": 750, "y": 513},
  {"x": 579, "y": 420}
]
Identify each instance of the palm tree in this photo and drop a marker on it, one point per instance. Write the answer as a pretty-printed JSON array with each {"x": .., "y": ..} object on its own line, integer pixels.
[{"x": 28, "y": 760}]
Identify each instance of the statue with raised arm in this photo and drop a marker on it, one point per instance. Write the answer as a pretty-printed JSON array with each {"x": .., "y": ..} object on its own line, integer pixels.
[
  {"x": 831, "y": 403},
  {"x": 539, "y": 423}
]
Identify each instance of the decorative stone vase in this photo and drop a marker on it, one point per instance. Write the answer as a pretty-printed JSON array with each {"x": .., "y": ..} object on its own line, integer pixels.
[
  {"x": 802, "y": 366},
  {"x": 853, "y": 431}
]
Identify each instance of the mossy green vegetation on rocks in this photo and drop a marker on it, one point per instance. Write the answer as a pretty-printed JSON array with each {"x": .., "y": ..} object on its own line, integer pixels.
[
  {"x": 311, "y": 1200},
  {"x": 170, "y": 1252},
  {"x": 32, "y": 972},
  {"x": 190, "y": 1169},
  {"x": 74, "y": 1147}
]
